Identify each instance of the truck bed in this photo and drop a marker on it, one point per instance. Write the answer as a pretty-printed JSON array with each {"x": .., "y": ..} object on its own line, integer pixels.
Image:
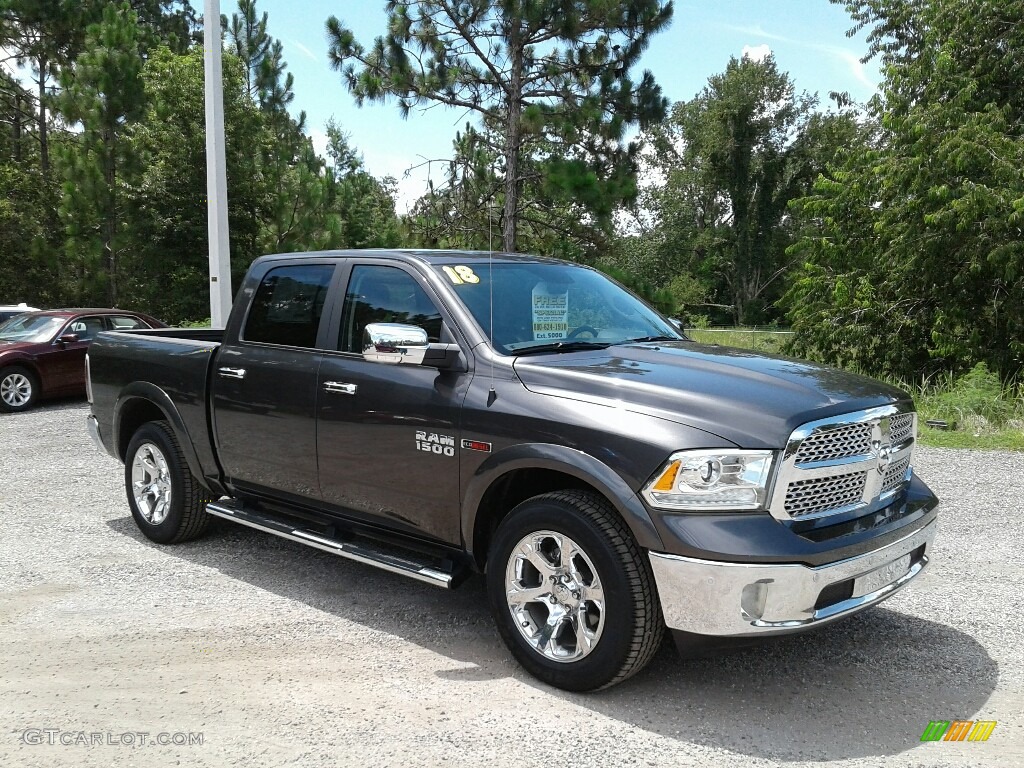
[{"x": 166, "y": 366}]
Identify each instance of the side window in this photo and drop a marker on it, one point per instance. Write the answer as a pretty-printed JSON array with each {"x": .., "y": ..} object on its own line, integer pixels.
[
  {"x": 385, "y": 295},
  {"x": 288, "y": 305},
  {"x": 125, "y": 323},
  {"x": 86, "y": 328}
]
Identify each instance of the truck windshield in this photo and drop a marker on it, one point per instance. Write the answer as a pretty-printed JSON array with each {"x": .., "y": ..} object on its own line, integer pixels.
[
  {"x": 31, "y": 327},
  {"x": 553, "y": 307}
]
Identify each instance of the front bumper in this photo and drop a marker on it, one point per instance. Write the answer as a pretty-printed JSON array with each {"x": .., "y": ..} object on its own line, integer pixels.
[
  {"x": 93, "y": 427},
  {"x": 750, "y": 600}
]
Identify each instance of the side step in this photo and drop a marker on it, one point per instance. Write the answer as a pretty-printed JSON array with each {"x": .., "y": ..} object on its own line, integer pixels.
[{"x": 404, "y": 564}]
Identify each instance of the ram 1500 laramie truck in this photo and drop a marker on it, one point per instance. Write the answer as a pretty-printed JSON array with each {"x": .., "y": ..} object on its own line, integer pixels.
[{"x": 439, "y": 413}]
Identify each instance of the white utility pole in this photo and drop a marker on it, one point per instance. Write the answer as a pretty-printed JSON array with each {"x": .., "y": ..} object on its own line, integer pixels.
[{"x": 216, "y": 170}]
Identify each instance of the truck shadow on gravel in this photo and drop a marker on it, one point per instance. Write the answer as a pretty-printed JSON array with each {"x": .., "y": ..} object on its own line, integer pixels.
[{"x": 865, "y": 687}]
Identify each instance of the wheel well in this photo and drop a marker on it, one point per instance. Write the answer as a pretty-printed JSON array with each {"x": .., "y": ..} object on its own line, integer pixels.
[
  {"x": 134, "y": 414},
  {"x": 507, "y": 492},
  {"x": 28, "y": 366}
]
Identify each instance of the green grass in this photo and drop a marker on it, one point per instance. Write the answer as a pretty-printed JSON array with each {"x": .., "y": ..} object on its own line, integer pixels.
[
  {"x": 982, "y": 413},
  {"x": 769, "y": 341}
]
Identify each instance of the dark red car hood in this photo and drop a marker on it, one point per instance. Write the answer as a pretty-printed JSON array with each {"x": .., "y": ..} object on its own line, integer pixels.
[{"x": 22, "y": 346}]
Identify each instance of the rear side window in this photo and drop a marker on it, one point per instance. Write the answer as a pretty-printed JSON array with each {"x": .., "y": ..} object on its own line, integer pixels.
[
  {"x": 125, "y": 323},
  {"x": 288, "y": 305}
]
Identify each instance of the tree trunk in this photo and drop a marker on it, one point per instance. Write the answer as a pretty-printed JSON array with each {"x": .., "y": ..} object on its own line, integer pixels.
[
  {"x": 17, "y": 126},
  {"x": 513, "y": 131},
  {"x": 44, "y": 147},
  {"x": 110, "y": 224}
]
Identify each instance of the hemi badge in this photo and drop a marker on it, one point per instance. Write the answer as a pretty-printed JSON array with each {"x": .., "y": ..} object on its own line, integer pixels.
[{"x": 476, "y": 445}]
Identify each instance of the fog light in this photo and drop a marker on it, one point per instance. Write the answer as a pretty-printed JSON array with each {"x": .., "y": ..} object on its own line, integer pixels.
[{"x": 753, "y": 599}]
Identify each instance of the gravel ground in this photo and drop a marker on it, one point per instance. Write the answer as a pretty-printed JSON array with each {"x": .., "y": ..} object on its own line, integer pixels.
[{"x": 278, "y": 654}]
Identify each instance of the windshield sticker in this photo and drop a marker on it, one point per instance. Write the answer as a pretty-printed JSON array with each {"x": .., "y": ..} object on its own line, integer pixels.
[
  {"x": 461, "y": 274},
  {"x": 550, "y": 314}
]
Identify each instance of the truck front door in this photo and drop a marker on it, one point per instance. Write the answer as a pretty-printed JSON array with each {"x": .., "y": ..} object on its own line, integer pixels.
[{"x": 388, "y": 435}]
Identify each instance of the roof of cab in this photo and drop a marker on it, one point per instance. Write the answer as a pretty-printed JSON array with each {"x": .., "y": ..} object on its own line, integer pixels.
[{"x": 431, "y": 257}]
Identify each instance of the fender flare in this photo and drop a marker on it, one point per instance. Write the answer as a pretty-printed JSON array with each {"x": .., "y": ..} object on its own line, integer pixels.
[
  {"x": 143, "y": 390},
  {"x": 568, "y": 461}
]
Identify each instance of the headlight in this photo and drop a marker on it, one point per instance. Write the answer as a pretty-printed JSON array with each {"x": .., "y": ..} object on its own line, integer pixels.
[{"x": 711, "y": 480}]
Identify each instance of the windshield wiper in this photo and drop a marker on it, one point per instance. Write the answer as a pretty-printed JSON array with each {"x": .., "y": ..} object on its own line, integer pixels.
[
  {"x": 562, "y": 346},
  {"x": 650, "y": 338}
]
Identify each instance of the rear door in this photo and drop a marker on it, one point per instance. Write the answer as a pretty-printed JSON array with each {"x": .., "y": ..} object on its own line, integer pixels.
[
  {"x": 265, "y": 385},
  {"x": 388, "y": 435}
]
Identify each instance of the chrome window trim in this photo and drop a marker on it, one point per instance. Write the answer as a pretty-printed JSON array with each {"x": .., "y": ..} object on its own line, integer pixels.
[{"x": 883, "y": 455}]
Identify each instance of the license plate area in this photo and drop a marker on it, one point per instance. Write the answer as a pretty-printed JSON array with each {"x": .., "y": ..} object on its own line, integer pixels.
[{"x": 874, "y": 580}]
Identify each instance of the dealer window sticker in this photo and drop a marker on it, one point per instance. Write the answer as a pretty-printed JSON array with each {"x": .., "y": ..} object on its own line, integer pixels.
[{"x": 550, "y": 314}]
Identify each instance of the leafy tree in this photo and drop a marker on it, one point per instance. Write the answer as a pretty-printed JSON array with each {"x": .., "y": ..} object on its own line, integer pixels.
[
  {"x": 549, "y": 81},
  {"x": 464, "y": 209},
  {"x": 103, "y": 91},
  {"x": 365, "y": 206},
  {"x": 28, "y": 266},
  {"x": 166, "y": 272},
  {"x": 731, "y": 160},
  {"x": 919, "y": 262},
  {"x": 48, "y": 35}
]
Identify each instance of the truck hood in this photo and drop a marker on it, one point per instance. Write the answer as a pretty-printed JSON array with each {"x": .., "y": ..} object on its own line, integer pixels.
[{"x": 752, "y": 400}]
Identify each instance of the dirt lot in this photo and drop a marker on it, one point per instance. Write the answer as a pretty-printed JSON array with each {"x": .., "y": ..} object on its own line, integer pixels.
[{"x": 269, "y": 653}]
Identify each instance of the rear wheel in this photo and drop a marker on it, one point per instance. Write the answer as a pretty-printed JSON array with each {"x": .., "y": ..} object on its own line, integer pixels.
[
  {"x": 166, "y": 500},
  {"x": 572, "y": 593},
  {"x": 19, "y": 389}
]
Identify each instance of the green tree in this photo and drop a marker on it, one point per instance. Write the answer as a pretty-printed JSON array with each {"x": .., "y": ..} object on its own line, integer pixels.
[
  {"x": 166, "y": 269},
  {"x": 28, "y": 264},
  {"x": 731, "y": 159},
  {"x": 549, "y": 81},
  {"x": 919, "y": 261},
  {"x": 48, "y": 35},
  {"x": 103, "y": 92}
]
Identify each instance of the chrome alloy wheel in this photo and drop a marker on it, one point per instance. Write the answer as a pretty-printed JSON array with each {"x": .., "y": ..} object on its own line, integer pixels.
[
  {"x": 555, "y": 596},
  {"x": 16, "y": 390},
  {"x": 151, "y": 483}
]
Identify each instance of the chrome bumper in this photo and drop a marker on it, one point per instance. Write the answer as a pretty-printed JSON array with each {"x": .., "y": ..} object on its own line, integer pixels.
[{"x": 737, "y": 600}]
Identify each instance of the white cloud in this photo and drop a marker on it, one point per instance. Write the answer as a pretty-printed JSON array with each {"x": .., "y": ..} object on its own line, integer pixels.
[
  {"x": 757, "y": 52},
  {"x": 304, "y": 50},
  {"x": 851, "y": 59}
]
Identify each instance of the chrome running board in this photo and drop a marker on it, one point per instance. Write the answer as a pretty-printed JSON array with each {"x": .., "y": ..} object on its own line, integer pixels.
[{"x": 362, "y": 552}]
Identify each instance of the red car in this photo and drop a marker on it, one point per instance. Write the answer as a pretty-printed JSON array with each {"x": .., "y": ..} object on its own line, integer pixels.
[{"x": 42, "y": 354}]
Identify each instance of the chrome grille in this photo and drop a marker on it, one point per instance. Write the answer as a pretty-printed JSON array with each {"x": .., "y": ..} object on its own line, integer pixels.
[
  {"x": 837, "y": 443},
  {"x": 844, "y": 462},
  {"x": 894, "y": 475},
  {"x": 901, "y": 428},
  {"x": 824, "y": 494}
]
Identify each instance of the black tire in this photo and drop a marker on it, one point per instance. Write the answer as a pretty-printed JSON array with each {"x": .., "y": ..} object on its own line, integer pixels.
[
  {"x": 630, "y": 628},
  {"x": 19, "y": 389},
  {"x": 170, "y": 507}
]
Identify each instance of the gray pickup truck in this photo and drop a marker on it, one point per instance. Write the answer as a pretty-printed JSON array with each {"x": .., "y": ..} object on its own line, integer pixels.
[{"x": 443, "y": 413}]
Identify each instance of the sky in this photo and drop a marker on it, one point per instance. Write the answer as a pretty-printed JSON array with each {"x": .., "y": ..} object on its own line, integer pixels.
[{"x": 807, "y": 37}]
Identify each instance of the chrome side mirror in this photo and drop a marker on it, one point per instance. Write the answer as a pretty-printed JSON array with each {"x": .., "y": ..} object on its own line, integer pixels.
[{"x": 394, "y": 344}]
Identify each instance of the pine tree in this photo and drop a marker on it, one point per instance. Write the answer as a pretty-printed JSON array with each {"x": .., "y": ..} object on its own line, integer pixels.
[
  {"x": 103, "y": 92},
  {"x": 548, "y": 79}
]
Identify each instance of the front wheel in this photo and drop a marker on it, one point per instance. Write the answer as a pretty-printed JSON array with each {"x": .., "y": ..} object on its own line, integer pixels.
[
  {"x": 572, "y": 593},
  {"x": 166, "y": 500},
  {"x": 19, "y": 389}
]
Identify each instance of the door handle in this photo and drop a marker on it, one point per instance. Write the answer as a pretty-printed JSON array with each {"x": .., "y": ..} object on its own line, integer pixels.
[
  {"x": 340, "y": 388},
  {"x": 231, "y": 373}
]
